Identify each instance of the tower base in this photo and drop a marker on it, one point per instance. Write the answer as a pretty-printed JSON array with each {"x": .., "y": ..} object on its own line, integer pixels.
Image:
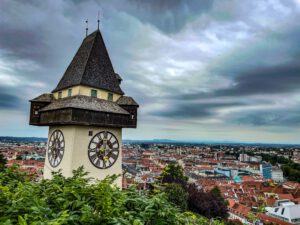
[{"x": 77, "y": 140}]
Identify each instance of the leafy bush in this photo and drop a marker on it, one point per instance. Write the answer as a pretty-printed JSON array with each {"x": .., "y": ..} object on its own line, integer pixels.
[
  {"x": 188, "y": 196},
  {"x": 177, "y": 195},
  {"x": 3, "y": 162},
  {"x": 173, "y": 173},
  {"x": 75, "y": 200},
  {"x": 207, "y": 204}
]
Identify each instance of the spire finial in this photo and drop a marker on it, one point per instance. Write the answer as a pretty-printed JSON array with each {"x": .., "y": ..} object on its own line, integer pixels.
[
  {"x": 86, "y": 28},
  {"x": 98, "y": 21}
]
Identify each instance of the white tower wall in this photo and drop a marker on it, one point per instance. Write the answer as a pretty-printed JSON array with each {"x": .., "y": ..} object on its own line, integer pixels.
[{"x": 77, "y": 140}]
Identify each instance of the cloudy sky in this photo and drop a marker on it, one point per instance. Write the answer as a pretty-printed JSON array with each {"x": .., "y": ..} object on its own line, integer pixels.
[{"x": 224, "y": 70}]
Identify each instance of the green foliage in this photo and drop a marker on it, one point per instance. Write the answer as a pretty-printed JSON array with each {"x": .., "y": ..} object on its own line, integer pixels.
[
  {"x": 11, "y": 176},
  {"x": 206, "y": 203},
  {"x": 188, "y": 196},
  {"x": 191, "y": 219},
  {"x": 292, "y": 172},
  {"x": 216, "y": 192},
  {"x": 274, "y": 159},
  {"x": 3, "y": 162},
  {"x": 76, "y": 200},
  {"x": 177, "y": 195},
  {"x": 252, "y": 217},
  {"x": 173, "y": 173}
]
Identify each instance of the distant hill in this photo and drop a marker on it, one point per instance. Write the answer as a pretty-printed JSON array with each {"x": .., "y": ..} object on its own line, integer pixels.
[
  {"x": 155, "y": 141},
  {"x": 190, "y": 142},
  {"x": 22, "y": 139}
]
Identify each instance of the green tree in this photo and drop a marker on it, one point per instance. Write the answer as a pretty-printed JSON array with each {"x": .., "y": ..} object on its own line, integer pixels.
[
  {"x": 252, "y": 217},
  {"x": 3, "y": 162},
  {"x": 173, "y": 173},
  {"x": 177, "y": 195},
  {"x": 216, "y": 192},
  {"x": 206, "y": 203},
  {"x": 75, "y": 200}
]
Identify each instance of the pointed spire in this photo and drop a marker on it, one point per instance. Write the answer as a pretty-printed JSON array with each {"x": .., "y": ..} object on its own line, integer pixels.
[
  {"x": 86, "y": 28},
  {"x": 91, "y": 66}
]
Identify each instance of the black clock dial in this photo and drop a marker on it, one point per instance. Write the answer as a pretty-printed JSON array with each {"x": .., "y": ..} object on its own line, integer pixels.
[
  {"x": 56, "y": 148},
  {"x": 103, "y": 150}
]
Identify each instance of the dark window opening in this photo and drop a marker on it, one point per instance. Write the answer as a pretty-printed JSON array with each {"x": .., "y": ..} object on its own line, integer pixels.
[
  {"x": 110, "y": 96},
  {"x": 94, "y": 93}
]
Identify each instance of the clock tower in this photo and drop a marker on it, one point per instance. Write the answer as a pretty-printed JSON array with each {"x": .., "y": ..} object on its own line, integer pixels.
[{"x": 85, "y": 114}]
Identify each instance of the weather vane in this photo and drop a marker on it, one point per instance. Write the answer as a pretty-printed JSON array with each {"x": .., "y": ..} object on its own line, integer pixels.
[
  {"x": 86, "y": 29},
  {"x": 98, "y": 21}
]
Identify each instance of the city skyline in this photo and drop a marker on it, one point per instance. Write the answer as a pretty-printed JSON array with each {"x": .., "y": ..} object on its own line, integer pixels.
[{"x": 208, "y": 71}]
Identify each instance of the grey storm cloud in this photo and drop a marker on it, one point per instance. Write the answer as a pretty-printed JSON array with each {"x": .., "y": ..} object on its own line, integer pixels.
[
  {"x": 169, "y": 15},
  {"x": 279, "y": 118},
  {"x": 22, "y": 44},
  {"x": 268, "y": 66},
  {"x": 273, "y": 80},
  {"x": 194, "y": 110},
  {"x": 8, "y": 101},
  {"x": 181, "y": 60}
]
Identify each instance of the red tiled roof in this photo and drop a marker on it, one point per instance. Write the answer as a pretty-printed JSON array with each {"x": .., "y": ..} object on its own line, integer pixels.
[
  {"x": 270, "y": 201},
  {"x": 285, "y": 196},
  {"x": 240, "y": 209}
]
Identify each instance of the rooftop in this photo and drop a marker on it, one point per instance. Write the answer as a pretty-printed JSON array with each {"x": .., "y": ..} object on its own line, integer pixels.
[
  {"x": 91, "y": 66},
  {"x": 85, "y": 102},
  {"x": 126, "y": 100},
  {"x": 43, "y": 98}
]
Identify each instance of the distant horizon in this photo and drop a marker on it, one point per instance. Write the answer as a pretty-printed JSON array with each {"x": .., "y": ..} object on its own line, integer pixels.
[{"x": 175, "y": 141}]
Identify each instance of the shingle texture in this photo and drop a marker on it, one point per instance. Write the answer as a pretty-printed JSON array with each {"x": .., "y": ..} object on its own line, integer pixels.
[
  {"x": 43, "y": 98},
  {"x": 126, "y": 100},
  {"x": 91, "y": 66},
  {"x": 85, "y": 102}
]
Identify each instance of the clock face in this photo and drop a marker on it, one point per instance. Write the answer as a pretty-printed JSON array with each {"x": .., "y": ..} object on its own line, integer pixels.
[
  {"x": 56, "y": 148},
  {"x": 103, "y": 150}
]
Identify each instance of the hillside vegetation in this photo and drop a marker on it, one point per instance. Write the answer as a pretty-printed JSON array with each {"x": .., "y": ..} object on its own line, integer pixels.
[{"x": 75, "y": 201}]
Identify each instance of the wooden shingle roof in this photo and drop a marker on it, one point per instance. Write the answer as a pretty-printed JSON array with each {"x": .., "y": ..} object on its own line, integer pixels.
[
  {"x": 86, "y": 103},
  {"x": 91, "y": 66},
  {"x": 126, "y": 100},
  {"x": 43, "y": 98}
]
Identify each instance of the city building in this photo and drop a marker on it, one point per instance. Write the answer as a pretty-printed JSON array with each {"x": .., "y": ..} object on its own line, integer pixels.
[
  {"x": 247, "y": 158},
  {"x": 288, "y": 212},
  {"x": 266, "y": 170},
  {"x": 277, "y": 174}
]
